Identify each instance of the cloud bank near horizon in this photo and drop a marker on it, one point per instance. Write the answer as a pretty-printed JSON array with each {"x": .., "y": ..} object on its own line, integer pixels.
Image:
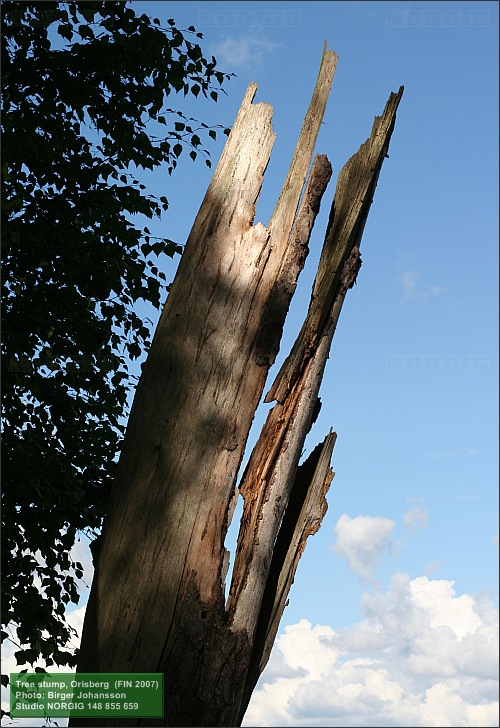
[{"x": 422, "y": 656}]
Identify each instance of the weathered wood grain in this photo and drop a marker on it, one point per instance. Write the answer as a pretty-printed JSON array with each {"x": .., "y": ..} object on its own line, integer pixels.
[
  {"x": 157, "y": 600},
  {"x": 356, "y": 185},
  {"x": 270, "y": 475}
]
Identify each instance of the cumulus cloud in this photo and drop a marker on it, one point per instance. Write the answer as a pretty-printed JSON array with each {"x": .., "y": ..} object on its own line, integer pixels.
[
  {"x": 243, "y": 53},
  {"x": 361, "y": 540},
  {"x": 422, "y": 656}
]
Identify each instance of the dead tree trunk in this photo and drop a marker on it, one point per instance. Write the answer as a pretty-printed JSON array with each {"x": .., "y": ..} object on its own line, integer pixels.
[{"x": 157, "y": 601}]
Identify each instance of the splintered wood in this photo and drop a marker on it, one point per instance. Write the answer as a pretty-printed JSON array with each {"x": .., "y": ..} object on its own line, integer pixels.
[
  {"x": 270, "y": 475},
  {"x": 157, "y": 602}
]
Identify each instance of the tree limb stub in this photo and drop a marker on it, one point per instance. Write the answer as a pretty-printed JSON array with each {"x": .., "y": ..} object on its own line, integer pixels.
[{"x": 353, "y": 197}]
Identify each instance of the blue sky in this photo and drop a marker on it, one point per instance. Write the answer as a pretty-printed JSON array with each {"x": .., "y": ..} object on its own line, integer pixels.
[{"x": 393, "y": 617}]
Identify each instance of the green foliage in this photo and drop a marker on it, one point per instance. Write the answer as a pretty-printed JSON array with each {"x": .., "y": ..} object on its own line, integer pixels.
[{"x": 84, "y": 88}]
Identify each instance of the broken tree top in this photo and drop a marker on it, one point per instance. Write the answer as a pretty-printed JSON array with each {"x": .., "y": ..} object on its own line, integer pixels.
[{"x": 161, "y": 606}]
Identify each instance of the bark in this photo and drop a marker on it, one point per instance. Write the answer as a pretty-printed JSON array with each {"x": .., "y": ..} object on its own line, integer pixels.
[{"x": 157, "y": 599}]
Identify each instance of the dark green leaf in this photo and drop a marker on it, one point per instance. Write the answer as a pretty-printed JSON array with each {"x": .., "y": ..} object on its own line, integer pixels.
[
  {"x": 87, "y": 11},
  {"x": 85, "y": 31},
  {"x": 74, "y": 144},
  {"x": 66, "y": 31}
]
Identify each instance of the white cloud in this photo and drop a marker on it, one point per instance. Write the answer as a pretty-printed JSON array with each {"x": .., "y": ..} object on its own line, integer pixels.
[
  {"x": 443, "y": 608},
  {"x": 361, "y": 540},
  {"x": 432, "y": 292},
  {"x": 470, "y": 452},
  {"x": 423, "y": 656},
  {"x": 433, "y": 566},
  {"x": 410, "y": 280},
  {"x": 416, "y": 518},
  {"x": 75, "y": 619},
  {"x": 243, "y": 53}
]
